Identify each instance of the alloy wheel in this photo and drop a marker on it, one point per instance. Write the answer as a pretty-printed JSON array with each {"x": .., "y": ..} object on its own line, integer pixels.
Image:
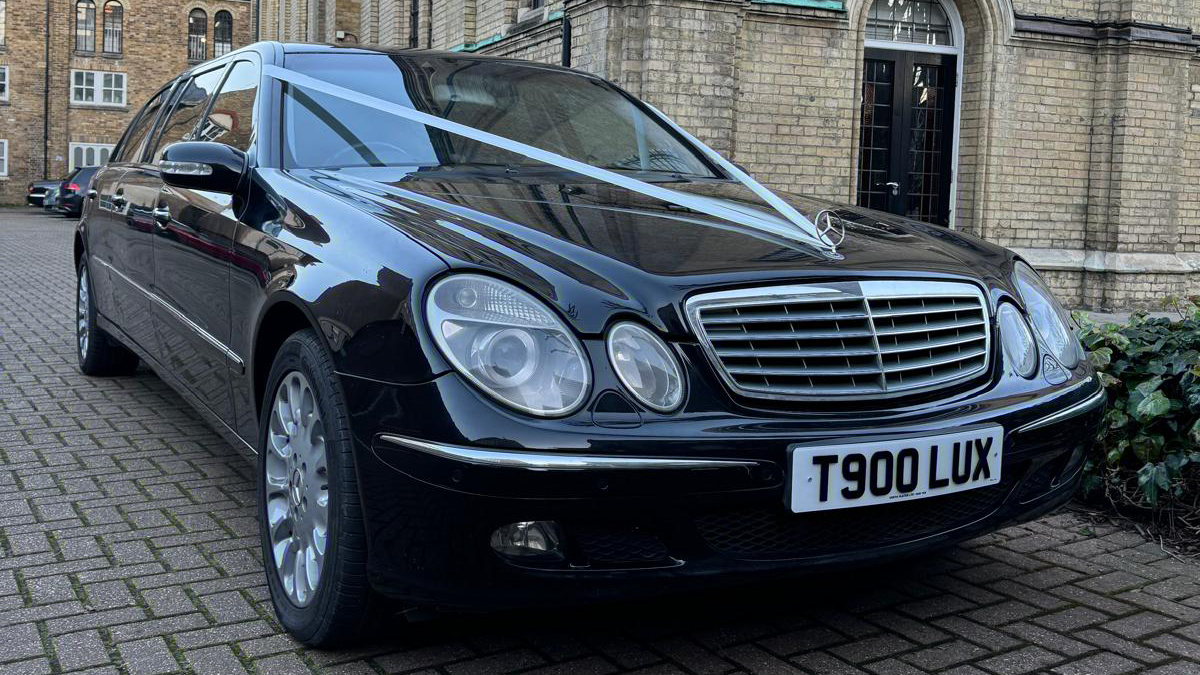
[
  {"x": 297, "y": 488},
  {"x": 82, "y": 308}
]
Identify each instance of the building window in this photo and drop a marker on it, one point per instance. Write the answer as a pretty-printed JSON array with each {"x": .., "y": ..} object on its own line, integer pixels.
[
  {"x": 3, "y": 80},
  {"x": 913, "y": 21},
  {"x": 3, "y": 157},
  {"x": 114, "y": 27},
  {"x": 197, "y": 35},
  {"x": 93, "y": 87},
  {"x": 89, "y": 154},
  {"x": 222, "y": 33},
  {"x": 85, "y": 26},
  {"x": 1, "y": 23}
]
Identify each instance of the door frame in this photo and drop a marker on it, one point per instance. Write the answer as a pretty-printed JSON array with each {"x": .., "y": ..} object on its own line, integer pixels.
[{"x": 959, "y": 51}]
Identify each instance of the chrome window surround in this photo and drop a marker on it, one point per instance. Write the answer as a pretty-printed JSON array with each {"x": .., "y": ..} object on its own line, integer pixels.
[{"x": 839, "y": 291}]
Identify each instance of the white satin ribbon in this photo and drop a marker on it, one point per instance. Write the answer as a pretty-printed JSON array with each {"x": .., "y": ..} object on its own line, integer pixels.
[{"x": 803, "y": 227}]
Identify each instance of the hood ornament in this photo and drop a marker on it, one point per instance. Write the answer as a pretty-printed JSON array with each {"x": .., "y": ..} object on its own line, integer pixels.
[{"x": 831, "y": 227}]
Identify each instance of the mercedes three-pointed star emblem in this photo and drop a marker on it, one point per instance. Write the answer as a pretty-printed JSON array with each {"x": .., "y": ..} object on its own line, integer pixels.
[{"x": 832, "y": 227}]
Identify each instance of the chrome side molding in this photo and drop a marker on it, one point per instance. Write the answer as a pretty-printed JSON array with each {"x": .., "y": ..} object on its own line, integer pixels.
[{"x": 538, "y": 461}]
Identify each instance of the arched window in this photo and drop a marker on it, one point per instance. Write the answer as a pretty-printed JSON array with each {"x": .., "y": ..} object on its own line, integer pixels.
[
  {"x": 197, "y": 35},
  {"x": 222, "y": 33},
  {"x": 114, "y": 27},
  {"x": 914, "y": 21},
  {"x": 85, "y": 26}
]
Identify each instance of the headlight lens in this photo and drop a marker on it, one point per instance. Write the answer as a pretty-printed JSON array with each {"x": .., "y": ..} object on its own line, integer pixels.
[
  {"x": 645, "y": 366},
  {"x": 1019, "y": 347},
  {"x": 1049, "y": 318},
  {"x": 509, "y": 344}
]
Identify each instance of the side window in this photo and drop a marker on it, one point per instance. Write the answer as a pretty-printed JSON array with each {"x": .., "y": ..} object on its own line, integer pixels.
[
  {"x": 135, "y": 139},
  {"x": 189, "y": 106},
  {"x": 231, "y": 120}
]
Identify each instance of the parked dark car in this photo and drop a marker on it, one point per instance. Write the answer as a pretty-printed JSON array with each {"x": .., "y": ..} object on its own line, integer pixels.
[
  {"x": 72, "y": 189},
  {"x": 36, "y": 191},
  {"x": 469, "y": 379}
]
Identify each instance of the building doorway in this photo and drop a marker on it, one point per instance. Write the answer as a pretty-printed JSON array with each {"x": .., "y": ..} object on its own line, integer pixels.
[{"x": 908, "y": 142}]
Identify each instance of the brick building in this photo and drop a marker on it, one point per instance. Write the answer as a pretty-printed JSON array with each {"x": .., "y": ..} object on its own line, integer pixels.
[
  {"x": 106, "y": 57},
  {"x": 1069, "y": 129}
]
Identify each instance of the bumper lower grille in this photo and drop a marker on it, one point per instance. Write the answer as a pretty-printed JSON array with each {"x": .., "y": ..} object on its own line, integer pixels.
[
  {"x": 766, "y": 533},
  {"x": 868, "y": 339}
]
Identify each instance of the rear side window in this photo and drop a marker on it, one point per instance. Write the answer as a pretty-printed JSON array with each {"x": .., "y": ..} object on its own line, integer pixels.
[
  {"x": 135, "y": 139},
  {"x": 231, "y": 120},
  {"x": 189, "y": 106}
]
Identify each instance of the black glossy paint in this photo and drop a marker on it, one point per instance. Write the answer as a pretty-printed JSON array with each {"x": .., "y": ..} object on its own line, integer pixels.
[{"x": 206, "y": 277}]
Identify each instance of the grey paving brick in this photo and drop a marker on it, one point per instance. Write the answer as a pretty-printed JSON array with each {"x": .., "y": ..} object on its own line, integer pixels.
[
  {"x": 80, "y": 650},
  {"x": 1021, "y": 661},
  {"x": 215, "y": 660},
  {"x": 1098, "y": 664},
  {"x": 148, "y": 657},
  {"x": 20, "y": 641}
]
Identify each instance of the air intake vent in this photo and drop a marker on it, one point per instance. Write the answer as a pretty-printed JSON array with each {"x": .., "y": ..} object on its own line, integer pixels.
[{"x": 869, "y": 339}]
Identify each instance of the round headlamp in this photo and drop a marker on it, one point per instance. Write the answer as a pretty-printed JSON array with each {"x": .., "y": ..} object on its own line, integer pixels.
[
  {"x": 645, "y": 366},
  {"x": 1050, "y": 320},
  {"x": 509, "y": 344},
  {"x": 1020, "y": 351}
]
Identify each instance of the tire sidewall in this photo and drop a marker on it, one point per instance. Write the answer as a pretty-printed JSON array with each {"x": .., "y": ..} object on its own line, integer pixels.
[
  {"x": 86, "y": 360},
  {"x": 296, "y": 355}
]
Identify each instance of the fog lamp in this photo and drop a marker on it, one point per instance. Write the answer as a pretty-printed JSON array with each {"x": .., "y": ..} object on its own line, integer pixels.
[{"x": 527, "y": 539}]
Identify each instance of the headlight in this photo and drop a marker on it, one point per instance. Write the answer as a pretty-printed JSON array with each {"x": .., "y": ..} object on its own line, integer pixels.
[
  {"x": 1049, "y": 318},
  {"x": 509, "y": 344},
  {"x": 1019, "y": 347},
  {"x": 645, "y": 366}
]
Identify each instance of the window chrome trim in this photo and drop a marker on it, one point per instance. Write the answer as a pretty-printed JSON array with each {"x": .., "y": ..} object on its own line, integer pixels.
[
  {"x": 204, "y": 335},
  {"x": 514, "y": 459},
  {"x": 872, "y": 289},
  {"x": 1097, "y": 399}
]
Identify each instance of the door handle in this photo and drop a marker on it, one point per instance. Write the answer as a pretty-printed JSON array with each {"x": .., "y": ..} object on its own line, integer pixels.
[
  {"x": 894, "y": 186},
  {"x": 162, "y": 216},
  {"x": 118, "y": 200},
  {"x": 91, "y": 194}
]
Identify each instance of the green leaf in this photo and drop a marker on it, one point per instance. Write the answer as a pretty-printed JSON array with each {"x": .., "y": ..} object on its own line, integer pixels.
[
  {"x": 1153, "y": 406},
  {"x": 1194, "y": 433},
  {"x": 1101, "y": 357}
]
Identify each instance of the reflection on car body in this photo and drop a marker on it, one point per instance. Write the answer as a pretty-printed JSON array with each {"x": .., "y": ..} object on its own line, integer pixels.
[{"x": 470, "y": 379}]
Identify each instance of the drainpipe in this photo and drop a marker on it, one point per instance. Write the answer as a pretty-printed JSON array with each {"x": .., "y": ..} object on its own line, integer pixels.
[
  {"x": 257, "y": 17},
  {"x": 566, "y": 41},
  {"x": 46, "y": 103}
]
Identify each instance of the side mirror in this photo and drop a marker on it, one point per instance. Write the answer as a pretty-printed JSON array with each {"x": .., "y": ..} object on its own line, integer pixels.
[{"x": 202, "y": 165}]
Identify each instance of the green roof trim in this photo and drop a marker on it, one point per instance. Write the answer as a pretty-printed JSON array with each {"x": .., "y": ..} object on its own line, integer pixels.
[
  {"x": 835, "y": 5},
  {"x": 553, "y": 16}
]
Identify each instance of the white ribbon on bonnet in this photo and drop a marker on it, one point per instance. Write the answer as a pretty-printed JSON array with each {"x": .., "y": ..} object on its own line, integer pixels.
[{"x": 810, "y": 234}]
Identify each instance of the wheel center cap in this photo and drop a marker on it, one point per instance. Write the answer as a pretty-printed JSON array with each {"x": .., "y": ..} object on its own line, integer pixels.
[{"x": 296, "y": 487}]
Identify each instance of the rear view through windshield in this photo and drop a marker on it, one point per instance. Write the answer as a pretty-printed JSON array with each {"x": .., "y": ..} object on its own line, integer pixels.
[{"x": 576, "y": 116}]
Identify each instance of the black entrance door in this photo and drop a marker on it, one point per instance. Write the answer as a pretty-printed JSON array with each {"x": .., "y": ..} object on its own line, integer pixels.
[{"x": 907, "y": 134}]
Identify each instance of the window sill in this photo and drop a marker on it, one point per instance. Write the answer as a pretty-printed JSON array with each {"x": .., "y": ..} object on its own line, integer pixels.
[
  {"x": 112, "y": 55},
  {"x": 98, "y": 106}
]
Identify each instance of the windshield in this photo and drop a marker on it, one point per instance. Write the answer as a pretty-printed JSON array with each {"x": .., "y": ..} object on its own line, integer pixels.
[{"x": 579, "y": 117}]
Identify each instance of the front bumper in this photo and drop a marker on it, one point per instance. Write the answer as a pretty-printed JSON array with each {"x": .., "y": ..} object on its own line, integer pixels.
[{"x": 698, "y": 500}]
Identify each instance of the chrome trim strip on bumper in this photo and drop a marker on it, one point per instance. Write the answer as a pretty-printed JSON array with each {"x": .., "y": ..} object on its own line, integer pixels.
[
  {"x": 204, "y": 335},
  {"x": 1096, "y": 399},
  {"x": 538, "y": 461}
]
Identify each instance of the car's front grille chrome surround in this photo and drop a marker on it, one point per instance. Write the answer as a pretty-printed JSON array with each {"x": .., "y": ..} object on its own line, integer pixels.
[{"x": 848, "y": 339}]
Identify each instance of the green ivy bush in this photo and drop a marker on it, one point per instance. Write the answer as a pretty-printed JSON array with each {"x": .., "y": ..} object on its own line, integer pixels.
[{"x": 1148, "y": 455}]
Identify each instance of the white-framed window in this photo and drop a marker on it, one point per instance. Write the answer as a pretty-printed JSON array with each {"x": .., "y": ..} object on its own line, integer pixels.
[
  {"x": 3, "y": 157},
  {"x": 89, "y": 154},
  {"x": 3, "y": 81},
  {"x": 97, "y": 87}
]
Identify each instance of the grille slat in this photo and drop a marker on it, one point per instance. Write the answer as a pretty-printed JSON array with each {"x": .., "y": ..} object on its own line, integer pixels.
[{"x": 866, "y": 339}]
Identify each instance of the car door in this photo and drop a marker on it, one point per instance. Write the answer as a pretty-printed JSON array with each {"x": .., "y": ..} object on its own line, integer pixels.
[
  {"x": 119, "y": 246},
  {"x": 192, "y": 247}
]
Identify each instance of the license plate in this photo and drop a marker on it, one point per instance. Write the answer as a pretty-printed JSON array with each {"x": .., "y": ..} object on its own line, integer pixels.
[{"x": 877, "y": 472}]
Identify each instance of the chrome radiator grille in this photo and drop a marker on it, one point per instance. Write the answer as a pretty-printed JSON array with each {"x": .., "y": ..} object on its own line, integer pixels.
[{"x": 868, "y": 339}]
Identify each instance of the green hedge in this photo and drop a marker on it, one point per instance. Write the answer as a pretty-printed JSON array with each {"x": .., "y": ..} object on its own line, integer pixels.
[{"x": 1148, "y": 454}]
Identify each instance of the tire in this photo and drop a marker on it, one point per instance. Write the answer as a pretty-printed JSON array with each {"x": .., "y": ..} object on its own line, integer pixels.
[
  {"x": 339, "y": 609},
  {"x": 98, "y": 352}
]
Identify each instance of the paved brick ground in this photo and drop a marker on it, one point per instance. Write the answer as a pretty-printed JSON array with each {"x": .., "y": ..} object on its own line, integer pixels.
[{"x": 128, "y": 544}]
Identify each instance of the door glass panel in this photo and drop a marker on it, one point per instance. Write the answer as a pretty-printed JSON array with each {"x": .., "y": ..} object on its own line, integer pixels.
[
  {"x": 875, "y": 154},
  {"x": 191, "y": 104},
  {"x": 231, "y": 120},
  {"x": 927, "y": 144}
]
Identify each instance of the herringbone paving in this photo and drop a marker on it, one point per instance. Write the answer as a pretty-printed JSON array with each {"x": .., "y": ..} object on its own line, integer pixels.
[{"x": 128, "y": 544}]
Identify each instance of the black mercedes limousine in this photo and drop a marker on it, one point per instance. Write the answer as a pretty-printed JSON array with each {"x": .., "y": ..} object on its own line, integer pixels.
[{"x": 497, "y": 333}]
